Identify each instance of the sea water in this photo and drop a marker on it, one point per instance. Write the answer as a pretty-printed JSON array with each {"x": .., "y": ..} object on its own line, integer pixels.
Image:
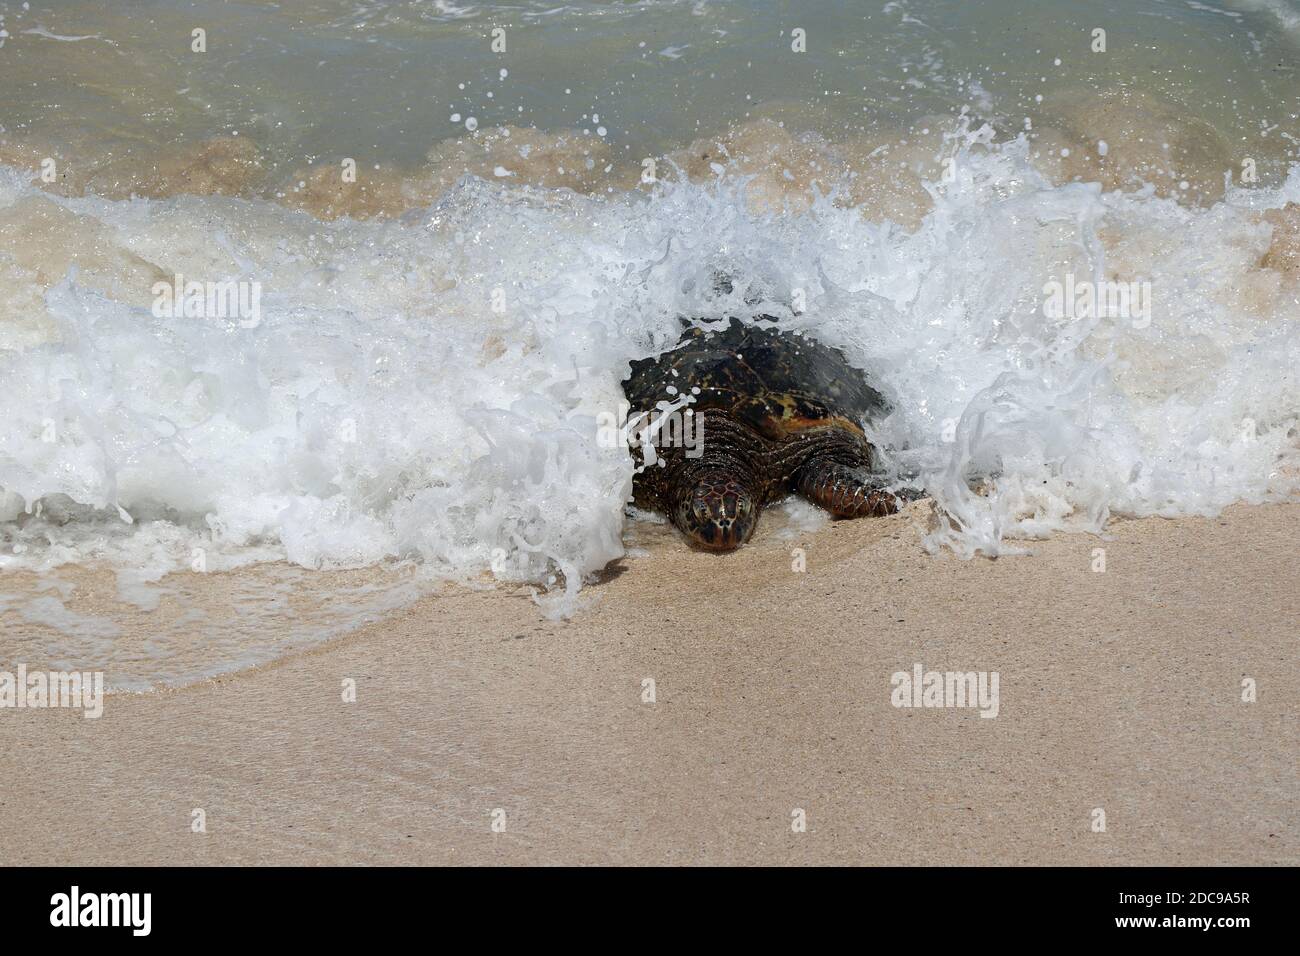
[{"x": 350, "y": 285}]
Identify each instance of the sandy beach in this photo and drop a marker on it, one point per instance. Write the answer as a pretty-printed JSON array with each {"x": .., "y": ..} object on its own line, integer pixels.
[
  {"x": 356, "y": 364},
  {"x": 1119, "y": 691}
]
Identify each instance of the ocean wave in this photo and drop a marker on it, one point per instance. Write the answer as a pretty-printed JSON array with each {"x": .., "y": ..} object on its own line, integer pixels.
[{"x": 426, "y": 386}]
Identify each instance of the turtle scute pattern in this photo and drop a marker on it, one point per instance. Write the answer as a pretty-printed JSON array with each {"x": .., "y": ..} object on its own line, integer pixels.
[{"x": 774, "y": 381}]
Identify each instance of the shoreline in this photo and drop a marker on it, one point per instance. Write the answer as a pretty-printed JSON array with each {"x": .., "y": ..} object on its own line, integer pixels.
[{"x": 1119, "y": 690}]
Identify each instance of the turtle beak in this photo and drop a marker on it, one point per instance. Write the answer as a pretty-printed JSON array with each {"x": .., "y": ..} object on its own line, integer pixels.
[{"x": 720, "y": 514}]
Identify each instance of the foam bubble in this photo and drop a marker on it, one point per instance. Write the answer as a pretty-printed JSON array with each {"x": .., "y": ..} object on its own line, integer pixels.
[{"x": 427, "y": 386}]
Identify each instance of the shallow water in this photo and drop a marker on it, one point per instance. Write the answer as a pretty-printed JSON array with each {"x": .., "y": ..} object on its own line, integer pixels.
[{"x": 434, "y": 343}]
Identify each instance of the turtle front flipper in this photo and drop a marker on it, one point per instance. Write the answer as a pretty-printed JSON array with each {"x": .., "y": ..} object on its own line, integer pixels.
[{"x": 845, "y": 491}]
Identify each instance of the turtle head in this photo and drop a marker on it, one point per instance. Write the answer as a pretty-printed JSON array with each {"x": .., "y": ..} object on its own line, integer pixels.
[{"x": 719, "y": 512}]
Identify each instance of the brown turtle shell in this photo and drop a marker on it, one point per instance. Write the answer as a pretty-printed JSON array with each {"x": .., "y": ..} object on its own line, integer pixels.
[{"x": 776, "y": 382}]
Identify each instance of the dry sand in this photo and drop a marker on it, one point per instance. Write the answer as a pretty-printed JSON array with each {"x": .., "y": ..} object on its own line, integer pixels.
[{"x": 1118, "y": 690}]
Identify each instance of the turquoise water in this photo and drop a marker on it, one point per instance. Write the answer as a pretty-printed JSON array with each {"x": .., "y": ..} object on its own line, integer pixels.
[{"x": 380, "y": 81}]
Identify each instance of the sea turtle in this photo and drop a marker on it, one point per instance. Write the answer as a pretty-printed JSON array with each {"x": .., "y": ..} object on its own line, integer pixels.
[{"x": 773, "y": 412}]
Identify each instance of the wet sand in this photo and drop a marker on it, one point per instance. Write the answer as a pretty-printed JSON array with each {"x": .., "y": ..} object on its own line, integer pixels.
[{"x": 1118, "y": 690}]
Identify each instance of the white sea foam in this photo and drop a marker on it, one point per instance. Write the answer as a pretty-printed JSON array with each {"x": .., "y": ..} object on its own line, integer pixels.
[
  {"x": 1286, "y": 13},
  {"x": 427, "y": 389}
]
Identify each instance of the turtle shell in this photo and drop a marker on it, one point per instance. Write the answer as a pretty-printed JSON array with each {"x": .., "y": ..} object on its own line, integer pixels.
[{"x": 776, "y": 382}]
